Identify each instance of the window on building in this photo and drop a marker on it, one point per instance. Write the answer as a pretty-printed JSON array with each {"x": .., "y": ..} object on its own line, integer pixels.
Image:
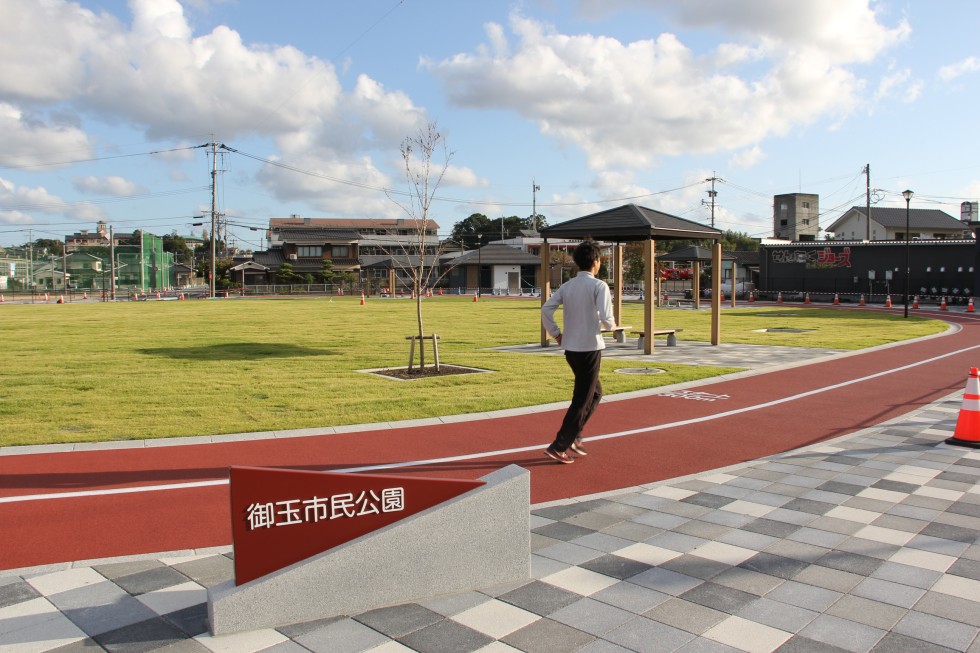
[
  {"x": 806, "y": 205},
  {"x": 309, "y": 251},
  {"x": 783, "y": 223},
  {"x": 341, "y": 251},
  {"x": 806, "y": 222}
]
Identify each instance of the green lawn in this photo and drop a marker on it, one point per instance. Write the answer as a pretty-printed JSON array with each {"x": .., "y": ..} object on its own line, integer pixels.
[{"x": 134, "y": 370}]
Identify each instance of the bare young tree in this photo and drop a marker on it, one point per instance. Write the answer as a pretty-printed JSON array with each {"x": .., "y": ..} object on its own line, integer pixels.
[{"x": 420, "y": 262}]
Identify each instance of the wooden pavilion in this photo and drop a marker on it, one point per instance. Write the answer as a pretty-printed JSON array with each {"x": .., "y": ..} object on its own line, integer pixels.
[{"x": 632, "y": 223}]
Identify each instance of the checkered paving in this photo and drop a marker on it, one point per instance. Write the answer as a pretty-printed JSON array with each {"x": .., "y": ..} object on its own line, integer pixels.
[{"x": 868, "y": 543}]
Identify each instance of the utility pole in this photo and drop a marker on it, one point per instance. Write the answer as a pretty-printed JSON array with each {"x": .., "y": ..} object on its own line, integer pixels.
[
  {"x": 30, "y": 262},
  {"x": 112, "y": 265},
  {"x": 867, "y": 199},
  {"x": 534, "y": 205},
  {"x": 712, "y": 194},
  {"x": 214, "y": 209}
]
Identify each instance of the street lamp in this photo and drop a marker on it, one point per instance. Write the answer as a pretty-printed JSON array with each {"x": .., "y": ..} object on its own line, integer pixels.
[
  {"x": 479, "y": 262},
  {"x": 907, "y": 194}
]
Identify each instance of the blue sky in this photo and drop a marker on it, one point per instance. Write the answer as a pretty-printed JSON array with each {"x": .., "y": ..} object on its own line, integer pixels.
[{"x": 600, "y": 102}]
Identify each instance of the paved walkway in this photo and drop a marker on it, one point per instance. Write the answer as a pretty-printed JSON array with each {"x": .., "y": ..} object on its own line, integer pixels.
[{"x": 867, "y": 543}]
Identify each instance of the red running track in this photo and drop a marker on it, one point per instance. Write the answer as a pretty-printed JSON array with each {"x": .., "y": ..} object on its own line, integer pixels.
[{"x": 632, "y": 442}]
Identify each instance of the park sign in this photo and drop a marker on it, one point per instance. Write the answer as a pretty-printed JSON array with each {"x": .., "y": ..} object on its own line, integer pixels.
[{"x": 282, "y": 516}]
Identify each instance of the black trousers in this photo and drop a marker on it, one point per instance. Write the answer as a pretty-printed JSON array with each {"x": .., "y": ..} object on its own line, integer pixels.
[{"x": 586, "y": 394}]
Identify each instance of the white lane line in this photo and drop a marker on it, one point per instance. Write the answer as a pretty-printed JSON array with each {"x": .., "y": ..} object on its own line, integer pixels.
[{"x": 502, "y": 452}]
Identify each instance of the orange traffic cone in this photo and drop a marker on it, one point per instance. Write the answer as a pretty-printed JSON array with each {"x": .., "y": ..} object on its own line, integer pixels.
[
  {"x": 751, "y": 297},
  {"x": 158, "y": 294},
  {"x": 45, "y": 296},
  {"x": 61, "y": 299},
  {"x": 779, "y": 298},
  {"x": 861, "y": 301},
  {"x": 888, "y": 301},
  {"x": 440, "y": 292},
  {"x": 85, "y": 295},
  {"x": 942, "y": 305},
  {"x": 969, "y": 306},
  {"x": 362, "y": 298},
  {"x": 181, "y": 297},
  {"x": 1, "y": 299},
  {"x": 806, "y": 300},
  {"x": 967, "y": 431},
  {"x": 476, "y": 296},
  {"x": 836, "y": 299},
  {"x": 915, "y": 302}
]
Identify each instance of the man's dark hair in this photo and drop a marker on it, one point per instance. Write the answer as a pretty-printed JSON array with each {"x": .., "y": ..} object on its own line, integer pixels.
[{"x": 585, "y": 254}]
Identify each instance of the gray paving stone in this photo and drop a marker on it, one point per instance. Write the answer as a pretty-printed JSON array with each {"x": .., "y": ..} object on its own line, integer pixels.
[
  {"x": 453, "y": 604},
  {"x": 726, "y": 518},
  {"x": 898, "y": 643},
  {"x": 774, "y": 565},
  {"x": 648, "y": 636},
  {"x": 148, "y": 635},
  {"x": 209, "y": 571},
  {"x": 702, "y": 529},
  {"x": 747, "y": 580},
  {"x": 907, "y": 575},
  {"x": 897, "y": 523},
  {"x": 885, "y": 591},
  {"x": 341, "y": 636},
  {"x": 569, "y": 552},
  {"x": 661, "y": 520},
  {"x": 114, "y": 570},
  {"x": 17, "y": 592},
  {"x": 563, "y": 531},
  {"x": 696, "y": 566},
  {"x": 399, "y": 620},
  {"x": 937, "y": 630},
  {"x": 845, "y": 634},
  {"x": 445, "y": 636},
  {"x": 872, "y": 613},
  {"x": 818, "y": 537},
  {"x": 854, "y": 563},
  {"x": 298, "y": 630},
  {"x": 547, "y": 636},
  {"x": 668, "y": 582},
  {"x": 602, "y": 542},
  {"x": 828, "y": 578},
  {"x": 101, "y": 608},
  {"x": 778, "y": 615},
  {"x": 804, "y": 596},
  {"x": 950, "y": 607},
  {"x": 591, "y": 616},
  {"x": 719, "y": 597},
  {"x": 676, "y": 542},
  {"x": 692, "y": 617},
  {"x": 192, "y": 620},
  {"x": 747, "y": 539},
  {"x": 615, "y": 566},
  {"x": 629, "y": 596},
  {"x": 937, "y": 545},
  {"x": 705, "y": 645},
  {"x": 631, "y": 530},
  {"x": 540, "y": 598},
  {"x": 593, "y": 520},
  {"x": 150, "y": 580},
  {"x": 601, "y": 646},
  {"x": 797, "y": 550},
  {"x": 707, "y": 500},
  {"x": 770, "y": 527},
  {"x": 948, "y": 532},
  {"x": 965, "y": 568},
  {"x": 801, "y": 644},
  {"x": 869, "y": 548}
]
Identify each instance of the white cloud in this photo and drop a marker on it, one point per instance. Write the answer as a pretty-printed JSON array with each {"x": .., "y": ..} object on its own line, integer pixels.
[
  {"x": 113, "y": 186},
  {"x": 32, "y": 139},
  {"x": 960, "y": 68},
  {"x": 628, "y": 104},
  {"x": 18, "y": 204},
  {"x": 900, "y": 85},
  {"x": 747, "y": 158}
]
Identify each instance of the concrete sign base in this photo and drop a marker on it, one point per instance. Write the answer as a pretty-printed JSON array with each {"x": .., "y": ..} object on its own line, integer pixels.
[{"x": 478, "y": 539}]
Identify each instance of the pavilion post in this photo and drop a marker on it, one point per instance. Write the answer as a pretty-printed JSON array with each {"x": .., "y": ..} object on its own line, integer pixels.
[
  {"x": 716, "y": 293},
  {"x": 545, "y": 283},
  {"x": 696, "y": 284},
  {"x": 649, "y": 262},
  {"x": 617, "y": 264}
]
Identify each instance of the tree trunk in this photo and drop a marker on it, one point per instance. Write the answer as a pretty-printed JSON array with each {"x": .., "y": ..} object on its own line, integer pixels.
[{"x": 418, "y": 314}]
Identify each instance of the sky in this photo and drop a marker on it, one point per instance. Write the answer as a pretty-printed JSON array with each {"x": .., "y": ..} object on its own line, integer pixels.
[{"x": 105, "y": 106}]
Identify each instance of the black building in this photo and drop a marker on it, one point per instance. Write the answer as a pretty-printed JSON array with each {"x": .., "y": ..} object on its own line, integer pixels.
[{"x": 938, "y": 268}]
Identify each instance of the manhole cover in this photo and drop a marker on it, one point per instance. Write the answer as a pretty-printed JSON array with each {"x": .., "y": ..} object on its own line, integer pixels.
[{"x": 640, "y": 370}]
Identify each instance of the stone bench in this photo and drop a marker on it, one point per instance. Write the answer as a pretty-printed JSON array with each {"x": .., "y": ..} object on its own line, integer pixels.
[{"x": 670, "y": 333}]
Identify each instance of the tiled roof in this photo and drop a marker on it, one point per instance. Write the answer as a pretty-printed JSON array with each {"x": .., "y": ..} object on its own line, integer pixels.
[{"x": 631, "y": 222}]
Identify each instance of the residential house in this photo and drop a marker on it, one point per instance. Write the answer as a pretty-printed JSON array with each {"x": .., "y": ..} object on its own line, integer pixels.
[{"x": 888, "y": 223}]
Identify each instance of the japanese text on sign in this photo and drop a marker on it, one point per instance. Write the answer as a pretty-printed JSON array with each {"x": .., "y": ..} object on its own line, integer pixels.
[
  {"x": 316, "y": 509},
  {"x": 815, "y": 258}
]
